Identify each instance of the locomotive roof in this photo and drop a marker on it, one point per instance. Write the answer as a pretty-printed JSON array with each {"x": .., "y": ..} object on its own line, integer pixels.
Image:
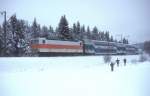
[{"x": 57, "y": 39}]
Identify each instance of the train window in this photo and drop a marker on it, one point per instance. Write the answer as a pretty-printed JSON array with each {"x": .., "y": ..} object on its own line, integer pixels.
[
  {"x": 43, "y": 41},
  {"x": 34, "y": 41}
]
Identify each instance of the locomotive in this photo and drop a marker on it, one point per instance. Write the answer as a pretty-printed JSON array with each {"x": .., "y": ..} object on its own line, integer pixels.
[
  {"x": 46, "y": 47},
  {"x": 56, "y": 47}
]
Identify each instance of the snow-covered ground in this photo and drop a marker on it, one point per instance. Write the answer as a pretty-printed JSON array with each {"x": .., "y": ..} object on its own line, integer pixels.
[{"x": 73, "y": 76}]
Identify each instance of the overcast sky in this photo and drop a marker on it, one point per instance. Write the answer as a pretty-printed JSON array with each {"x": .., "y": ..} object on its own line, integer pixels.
[{"x": 131, "y": 18}]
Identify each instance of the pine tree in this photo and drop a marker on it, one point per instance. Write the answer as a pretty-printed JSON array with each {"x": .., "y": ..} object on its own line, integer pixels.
[
  {"x": 102, "y": 36},
  {"x": 78, "y": 27},
  {"x": 95, "y": 33},
  {"x": 20, "y": 31},
  {"x": 63, "y": 29},
  {"x": 13, "y": 22},
  {"x": 99, "y": 35},
  {"x": 74, "y": 31},
  {"x": 107, "y": 36},
  {"x": 51, "y": 33},
  {"x": 88, "y": 33},
  {"x": 51, "y": 30},
  {"x": 9, "y": 49},
  {"x": 35, "y": 29},
  {"x": 111, "y": 39},
  {"x": 56, "y": 30},
  {"x": 1, "y": 40},
  {"x": 13, "y": 42},
  {"x": 56, "y": 36},
  {"x": 44, "y": 32},
  {"x": 125, "y": 41},
  {"x": 16, "y": 44},
  {"x": 82, "y": 32},
  {"x": 78, "y": 31}
]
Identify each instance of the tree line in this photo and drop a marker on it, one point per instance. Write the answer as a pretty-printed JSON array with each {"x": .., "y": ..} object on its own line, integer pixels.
[{"x": 19, "y": 33}]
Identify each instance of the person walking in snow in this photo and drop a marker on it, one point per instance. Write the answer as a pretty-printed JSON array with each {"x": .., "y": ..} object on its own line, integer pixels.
[
  {"x": 125, "y": 61},
  {"x": 117, "y": 61},
  {"x": 112, "y": 66}
]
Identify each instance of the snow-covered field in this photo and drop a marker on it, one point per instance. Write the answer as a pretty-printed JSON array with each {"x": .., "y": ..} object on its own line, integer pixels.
[{"x": 73, "y": 76}]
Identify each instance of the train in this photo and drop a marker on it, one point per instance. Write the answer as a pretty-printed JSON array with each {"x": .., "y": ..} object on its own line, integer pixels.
[{"x": 45, "y": 47}]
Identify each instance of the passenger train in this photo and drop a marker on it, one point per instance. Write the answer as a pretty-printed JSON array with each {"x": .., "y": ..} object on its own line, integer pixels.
[{"x": 47, "y": 47}]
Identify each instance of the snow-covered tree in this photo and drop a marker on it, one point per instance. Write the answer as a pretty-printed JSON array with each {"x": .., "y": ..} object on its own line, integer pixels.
[
  {"x": 1, "y": 41},
  {"x": 35, "y": 29},
  {"x": 18, "y": 40},
  {"x": 63, "y": 29},
  {"x": 15, "y": 37}
]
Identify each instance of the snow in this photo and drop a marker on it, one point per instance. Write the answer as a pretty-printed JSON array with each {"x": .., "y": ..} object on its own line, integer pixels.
[{"x": 73, "y": 76}]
